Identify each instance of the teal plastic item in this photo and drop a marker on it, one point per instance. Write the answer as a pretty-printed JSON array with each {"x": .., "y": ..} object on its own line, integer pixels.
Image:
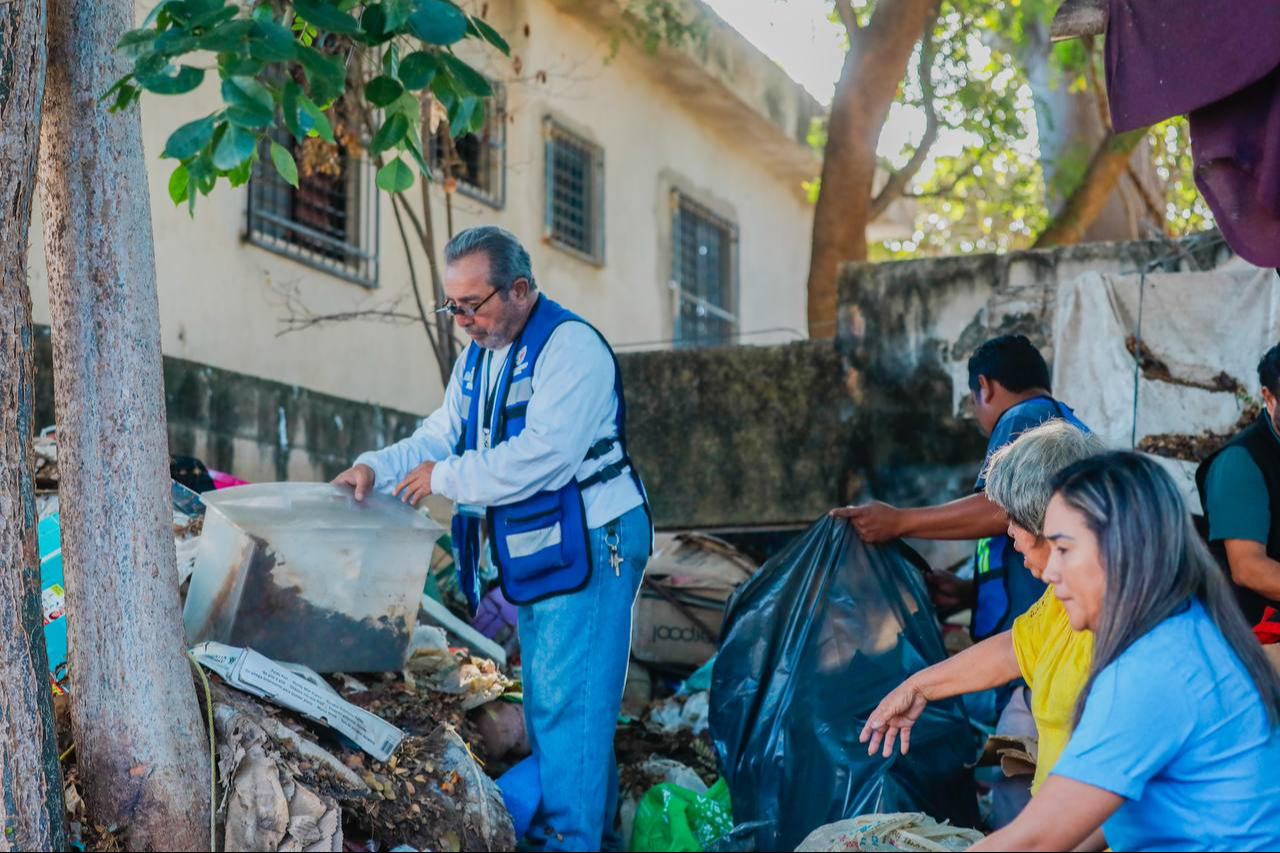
[
  {"x": 53, "y": 597},
  {"x": 701, "y": 678}
]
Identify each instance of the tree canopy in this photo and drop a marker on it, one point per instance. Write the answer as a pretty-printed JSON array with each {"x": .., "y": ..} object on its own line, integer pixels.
[{"x": 285, "y": 64}]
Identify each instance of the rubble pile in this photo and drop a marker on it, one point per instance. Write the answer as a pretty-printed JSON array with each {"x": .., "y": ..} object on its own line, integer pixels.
[{"x": 408, "y": 759}]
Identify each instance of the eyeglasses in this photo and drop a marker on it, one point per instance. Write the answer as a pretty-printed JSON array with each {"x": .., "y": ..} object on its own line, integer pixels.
[{"x": 455, "y": 309}]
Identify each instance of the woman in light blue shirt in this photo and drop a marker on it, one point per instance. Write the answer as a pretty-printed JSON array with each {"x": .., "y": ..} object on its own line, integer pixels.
[{"x": 1175, "y": 745}]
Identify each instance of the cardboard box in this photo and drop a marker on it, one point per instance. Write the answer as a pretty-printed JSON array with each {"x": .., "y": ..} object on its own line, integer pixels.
[{"x": 700, "y": 573}]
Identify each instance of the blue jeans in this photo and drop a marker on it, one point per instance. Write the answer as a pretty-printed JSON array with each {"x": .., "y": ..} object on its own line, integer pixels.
[{"x": 575, "y": 649}]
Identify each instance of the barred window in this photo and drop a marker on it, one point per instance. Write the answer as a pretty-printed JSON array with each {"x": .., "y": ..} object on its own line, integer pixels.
[
  {"x": 703, "y": 274},
  {"x": 575, "y": 193},
  {"x": 479, "y": 158},
  {"x": 330, "y": 221}
]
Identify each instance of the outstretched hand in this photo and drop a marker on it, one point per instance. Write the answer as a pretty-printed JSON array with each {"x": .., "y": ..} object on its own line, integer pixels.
[{"x": 893, "y": 718}]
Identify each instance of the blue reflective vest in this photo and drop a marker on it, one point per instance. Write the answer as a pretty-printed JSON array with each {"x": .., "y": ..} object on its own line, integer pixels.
[
  {"x": 540, "y": 544},
  {"x": 997, "y": 588}
]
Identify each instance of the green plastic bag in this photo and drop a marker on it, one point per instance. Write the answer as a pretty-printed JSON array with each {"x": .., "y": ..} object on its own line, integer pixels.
[{"x": 672, "y": 818}]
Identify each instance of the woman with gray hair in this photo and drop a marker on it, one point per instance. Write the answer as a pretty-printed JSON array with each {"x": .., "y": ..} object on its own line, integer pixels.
[
  {"x": 1041, "y": 648},
  {"x": 1175, "y": 740}
]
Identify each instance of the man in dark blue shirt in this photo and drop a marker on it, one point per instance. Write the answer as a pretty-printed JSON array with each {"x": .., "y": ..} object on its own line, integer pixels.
[{"x": 1010, "y": 383}]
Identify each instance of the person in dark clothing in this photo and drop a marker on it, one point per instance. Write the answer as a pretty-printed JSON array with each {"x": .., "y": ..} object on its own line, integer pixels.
[{"x": 1239, "y": 488}]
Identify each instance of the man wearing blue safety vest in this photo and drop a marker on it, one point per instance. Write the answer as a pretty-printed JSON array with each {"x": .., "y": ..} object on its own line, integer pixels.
[
  {"x": 1010, "y": 383},
  {"x": 530, "y": 443}
]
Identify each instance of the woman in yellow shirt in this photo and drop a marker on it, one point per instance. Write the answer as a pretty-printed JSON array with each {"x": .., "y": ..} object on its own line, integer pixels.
[{"x": 1041, "y": 648}]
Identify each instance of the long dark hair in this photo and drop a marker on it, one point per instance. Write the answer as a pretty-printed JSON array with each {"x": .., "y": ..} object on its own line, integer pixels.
[{"x": 1154, "y": 563}]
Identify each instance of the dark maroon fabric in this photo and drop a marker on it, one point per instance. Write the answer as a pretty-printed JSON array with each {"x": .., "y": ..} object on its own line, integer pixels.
[
  {"x": 1169, "y": 57},
  {"x": 1236, "y": 146},
  {"x": 1219, "y": 62}
]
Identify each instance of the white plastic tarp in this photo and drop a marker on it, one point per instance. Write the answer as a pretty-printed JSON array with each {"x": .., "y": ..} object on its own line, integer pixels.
[{"x": 1199, "y": 324}]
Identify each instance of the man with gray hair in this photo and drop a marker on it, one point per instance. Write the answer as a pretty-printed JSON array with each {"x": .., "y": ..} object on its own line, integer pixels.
[{"x": 530, "y": 443}]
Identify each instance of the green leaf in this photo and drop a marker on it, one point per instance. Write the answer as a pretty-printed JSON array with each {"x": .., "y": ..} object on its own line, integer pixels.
[
  {"x": 479, "y": 27},
  {"x": 479, "y": 119},
  {"x": 135, "y": 43},
  {"x": 471, "y": 79},
  {"x": 416, "y": 151},
  {"x": 292, "y": 93},
  {"x": 438, "y": 22},
  {"x": 240, "y": 175},
  {"x": 397, "y": 12},
  {"x": 319, "y": 121},
  {"x": 417, "y": 69},
  {"x": 178, "y": 182},
  {"x": 326, "y": 17},
  {"x": 164, "y": 83},
  {"x": 227, "y": 38},
  {"x": 445, "y": 90},
  {"x": 373, "y": 23},
  {"x": 460, "y": 116},
  {"x": 327, "y": 76},
  {"x": 272, "y": 42},
  {"x": 212, "y": 19},
  {"x": 236, "y": 146},
  {"x": 187, "y": 140},
  {"x": 116, "y": 87},
  {"x": 154, "y": 15},
  {"x": 262, "y": 12},
  {"x": 174, "y": 42},
  {"x": 407, "y": 105},
  {"x": 249, "y": 103},
  {"x": 391, "y": 61},
  {"x": 231, "y": 65},
  {"x": 391, "y": 132},
  {"x": 383, "y": 90},
  {"x": 395, "y": 177},
  {"x": 284, "y": 163}
]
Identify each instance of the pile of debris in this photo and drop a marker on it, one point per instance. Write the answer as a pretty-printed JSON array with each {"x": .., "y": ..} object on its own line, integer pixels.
[{"x": 310, "y": 758}]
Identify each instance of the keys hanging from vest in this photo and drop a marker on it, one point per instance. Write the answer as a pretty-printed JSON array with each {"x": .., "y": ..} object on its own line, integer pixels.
[{"x": 612, "y": 540}]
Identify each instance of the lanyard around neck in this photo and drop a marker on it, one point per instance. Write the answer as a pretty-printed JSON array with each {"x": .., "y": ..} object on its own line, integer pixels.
[{"x": 491, "y": 388}]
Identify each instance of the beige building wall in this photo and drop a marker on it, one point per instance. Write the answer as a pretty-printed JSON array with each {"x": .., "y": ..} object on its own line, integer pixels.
[{"x": 222, "y": 300}]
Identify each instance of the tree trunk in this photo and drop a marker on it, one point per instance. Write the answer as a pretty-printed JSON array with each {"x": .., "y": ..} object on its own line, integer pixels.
[
  {"x": 1074, "y": 126},
  {"x": 1109, "y": 163},
  {"x": 873, "y": 70},
  {"x": 31, "y": 812},
  {"x": 140, "y": 740}
]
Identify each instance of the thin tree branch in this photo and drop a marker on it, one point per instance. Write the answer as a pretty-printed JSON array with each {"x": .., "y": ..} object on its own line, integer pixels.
[
  {"x": 898, "y": 182},
  {"x": 297, "y": 324},
  {"x": 848, "y": 16},
  {"x": 397, "y": 201},
  {"x": 1153, "y": 204},
  {"x": 950, "y": 185}
]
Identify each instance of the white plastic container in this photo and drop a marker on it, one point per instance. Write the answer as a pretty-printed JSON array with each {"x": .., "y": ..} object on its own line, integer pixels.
[{"x": 304, "y": 573}]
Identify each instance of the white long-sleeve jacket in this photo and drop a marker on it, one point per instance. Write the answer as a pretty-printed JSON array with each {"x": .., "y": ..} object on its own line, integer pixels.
[{"x": 573, "y": 406}]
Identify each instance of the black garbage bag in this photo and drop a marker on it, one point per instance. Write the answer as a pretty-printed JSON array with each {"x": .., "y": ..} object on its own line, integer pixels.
[{"x": 810, "y": 645}]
